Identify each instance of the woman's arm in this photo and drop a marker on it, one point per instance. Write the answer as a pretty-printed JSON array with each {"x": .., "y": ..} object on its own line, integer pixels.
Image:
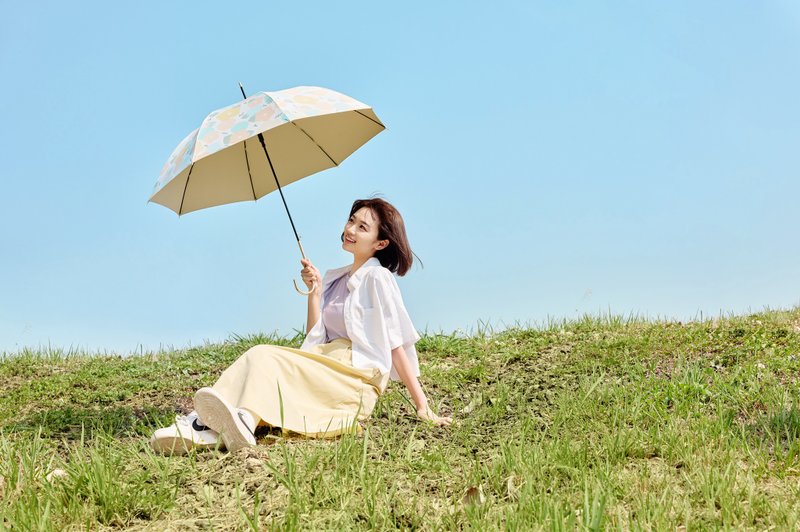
[
  {"x": 314, "y": 299},
  {"x": 310, "y": 276},
  {"x": 403, "y": 369}
]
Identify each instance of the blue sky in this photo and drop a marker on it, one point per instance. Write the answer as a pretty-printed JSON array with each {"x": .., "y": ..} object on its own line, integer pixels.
[{"x": 549, "y": 158}]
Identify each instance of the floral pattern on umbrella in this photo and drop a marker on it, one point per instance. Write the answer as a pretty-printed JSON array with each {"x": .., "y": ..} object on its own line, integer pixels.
[{"x": 243, "y": 120}]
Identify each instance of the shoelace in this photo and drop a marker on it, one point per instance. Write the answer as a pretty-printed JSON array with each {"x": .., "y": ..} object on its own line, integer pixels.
[{"x": 241, "y": 417}]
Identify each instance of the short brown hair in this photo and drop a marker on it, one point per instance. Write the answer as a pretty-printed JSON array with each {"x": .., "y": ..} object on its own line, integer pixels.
[{"x": 397, "y": 256}]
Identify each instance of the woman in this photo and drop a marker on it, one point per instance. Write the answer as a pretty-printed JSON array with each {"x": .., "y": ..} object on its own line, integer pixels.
[{"x": 359, "y": 336}]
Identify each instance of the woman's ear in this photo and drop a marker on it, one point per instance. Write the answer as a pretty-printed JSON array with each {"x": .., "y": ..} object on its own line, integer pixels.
[{"x": 383, "y": 244}]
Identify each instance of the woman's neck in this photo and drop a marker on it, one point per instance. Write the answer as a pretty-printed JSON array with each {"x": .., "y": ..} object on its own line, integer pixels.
[{"x": 358, "y": 262}]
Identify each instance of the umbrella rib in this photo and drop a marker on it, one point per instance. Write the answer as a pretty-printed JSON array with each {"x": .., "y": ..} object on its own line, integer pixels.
[
  {"x": 247, "y": 160},
  {"x": 317, "y": 144},
  {"x": 180, "y": 209},
  {"x": 368, "y": 118}
]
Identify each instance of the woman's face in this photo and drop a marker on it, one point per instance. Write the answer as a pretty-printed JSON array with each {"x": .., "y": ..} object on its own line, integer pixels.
[{"x": 361, "y": 234}]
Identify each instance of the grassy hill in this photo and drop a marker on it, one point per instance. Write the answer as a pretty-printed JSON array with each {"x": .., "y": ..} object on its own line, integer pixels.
[{"x": 597, "y": 423}]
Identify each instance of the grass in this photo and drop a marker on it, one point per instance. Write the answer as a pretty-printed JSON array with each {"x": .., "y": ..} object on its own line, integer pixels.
[{"x": 603, "y": 422}]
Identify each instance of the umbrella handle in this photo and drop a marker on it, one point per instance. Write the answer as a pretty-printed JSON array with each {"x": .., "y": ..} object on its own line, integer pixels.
[
  {"x": 313, "y": 282},
  {"x": 299, "y": 291}
]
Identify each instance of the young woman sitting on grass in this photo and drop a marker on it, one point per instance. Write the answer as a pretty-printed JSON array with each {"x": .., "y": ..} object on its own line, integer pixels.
[{"x": 359, "y": 335}]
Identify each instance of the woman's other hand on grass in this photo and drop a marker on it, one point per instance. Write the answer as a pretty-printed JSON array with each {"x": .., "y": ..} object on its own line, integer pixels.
[{"x": 428, "y": 415}]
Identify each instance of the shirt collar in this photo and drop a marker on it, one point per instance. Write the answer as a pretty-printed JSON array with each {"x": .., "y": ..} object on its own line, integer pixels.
[{"x": 355, "y": 279}]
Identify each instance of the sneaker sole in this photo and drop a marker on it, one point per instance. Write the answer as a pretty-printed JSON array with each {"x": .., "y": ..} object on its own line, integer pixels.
[
  {"x": 217, "y": 414},
  {"x": 179, "y": 446},
  {"x": 171, "y": 446}
]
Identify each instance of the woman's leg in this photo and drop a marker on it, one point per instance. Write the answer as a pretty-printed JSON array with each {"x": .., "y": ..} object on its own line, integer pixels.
[
  {"x": 231, "y": 405},
  {"x": 237, "y": 381}
]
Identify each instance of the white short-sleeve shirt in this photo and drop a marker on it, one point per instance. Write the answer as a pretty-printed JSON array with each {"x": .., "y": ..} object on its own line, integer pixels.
[{"x": 375, "y": 318}]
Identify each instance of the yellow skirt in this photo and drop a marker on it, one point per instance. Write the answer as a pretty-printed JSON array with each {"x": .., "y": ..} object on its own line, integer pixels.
[{"x": 317, "y": 393}]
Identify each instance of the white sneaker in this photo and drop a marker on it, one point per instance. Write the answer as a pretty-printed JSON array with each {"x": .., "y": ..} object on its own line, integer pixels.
[
  {"x": 187, "y": 433},
  {"x": 232, "y": 424}
]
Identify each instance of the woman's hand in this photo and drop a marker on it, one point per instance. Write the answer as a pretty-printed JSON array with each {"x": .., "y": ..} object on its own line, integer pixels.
[
  {"x": 428, "y": 415},
  {"x": 402, "y": 366},
  {"x": 310, "y": 274}
]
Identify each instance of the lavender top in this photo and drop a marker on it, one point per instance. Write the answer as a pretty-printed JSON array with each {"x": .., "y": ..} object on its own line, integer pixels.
[{"x": 333, "y": 308}]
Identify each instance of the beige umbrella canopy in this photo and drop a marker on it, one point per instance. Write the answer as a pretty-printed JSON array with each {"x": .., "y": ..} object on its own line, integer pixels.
[
  {"x": 305, "y": 130},
  {"x": 251, "y": 148}
]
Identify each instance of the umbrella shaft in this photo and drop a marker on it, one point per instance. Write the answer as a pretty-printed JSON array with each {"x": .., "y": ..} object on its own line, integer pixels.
[
  {"x": 277, "y": 183},
  {"x": 303, "y": 253}
]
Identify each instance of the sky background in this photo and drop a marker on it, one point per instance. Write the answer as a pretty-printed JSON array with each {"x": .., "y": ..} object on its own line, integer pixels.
[{"x": 550, "y": 159}]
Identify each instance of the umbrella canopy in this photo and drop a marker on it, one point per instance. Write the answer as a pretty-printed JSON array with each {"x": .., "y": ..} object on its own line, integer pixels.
[{"x": 304, "y": 130}]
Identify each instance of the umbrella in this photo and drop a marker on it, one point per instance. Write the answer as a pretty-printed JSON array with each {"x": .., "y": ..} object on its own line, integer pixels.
[{"x": 244, "y": 151}]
